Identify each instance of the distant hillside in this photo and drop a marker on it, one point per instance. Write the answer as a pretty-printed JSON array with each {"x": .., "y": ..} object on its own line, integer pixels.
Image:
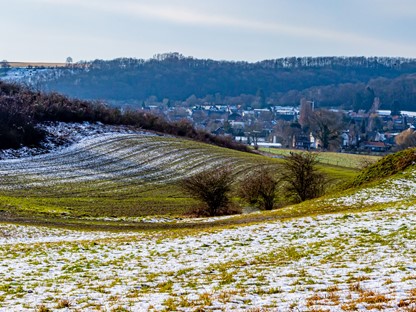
[{"x": 330, "y": 81}]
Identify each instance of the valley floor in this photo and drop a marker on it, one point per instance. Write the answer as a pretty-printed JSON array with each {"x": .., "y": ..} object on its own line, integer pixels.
[{"x": 357, "y": 261}]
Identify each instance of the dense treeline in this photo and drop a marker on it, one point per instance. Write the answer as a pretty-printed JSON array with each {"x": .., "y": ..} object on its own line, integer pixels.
[
  {"x": 331, "y": 81},
  {"x": 401, "y": 90},
  {"x": 22, "y": 109}
]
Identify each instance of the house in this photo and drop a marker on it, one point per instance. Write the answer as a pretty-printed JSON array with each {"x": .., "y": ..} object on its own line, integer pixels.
[
  {"x": 285, "y": 113},
  {"x": 345, "y": 137},
  {"x": 263, "y": 114},
  {"x": 235, "y": 117},
  {"x": 379, "y": 147},
  {"x": 218, "y": 112},
  {"x": 305, "y": 141},
  {"x": 237, "y": 127}
]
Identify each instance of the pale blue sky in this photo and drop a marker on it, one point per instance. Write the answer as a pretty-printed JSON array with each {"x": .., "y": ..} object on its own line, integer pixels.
[{"x": 252, "y": 30}]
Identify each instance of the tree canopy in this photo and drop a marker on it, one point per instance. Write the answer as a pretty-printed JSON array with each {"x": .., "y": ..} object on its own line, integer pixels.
[{"x": 330, "y": 81}]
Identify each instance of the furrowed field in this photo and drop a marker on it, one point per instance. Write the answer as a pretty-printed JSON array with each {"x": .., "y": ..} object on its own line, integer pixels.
[{"x": 113, "y": 175}]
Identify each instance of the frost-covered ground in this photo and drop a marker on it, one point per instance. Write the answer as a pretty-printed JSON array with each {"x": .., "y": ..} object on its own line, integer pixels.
[
  {"x": 361, "y": 261},
  {"x": 27, "y": 75},
  {"x": 105, "y": 154},
  {"x": 60, "y": 135},
  {"x": 390, "y": 191},
  {"x": 35, "y": 76}
]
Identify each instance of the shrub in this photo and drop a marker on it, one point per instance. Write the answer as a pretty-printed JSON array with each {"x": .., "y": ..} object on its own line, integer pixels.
[
  {"x": 211, "y": 187},
  {"x": 302, "y": 179},
  {"x": 259, "y": 188}
]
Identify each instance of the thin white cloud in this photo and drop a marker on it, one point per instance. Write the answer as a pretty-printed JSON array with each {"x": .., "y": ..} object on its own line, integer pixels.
[
  {"x": 173, "y": 13},
  {"x": 183, "y": 15}
]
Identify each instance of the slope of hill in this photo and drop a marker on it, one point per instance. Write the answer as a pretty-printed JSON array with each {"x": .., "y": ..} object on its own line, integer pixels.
[
  {"x": 114, "y": 174},
  {"x": 359, "y": 259}
]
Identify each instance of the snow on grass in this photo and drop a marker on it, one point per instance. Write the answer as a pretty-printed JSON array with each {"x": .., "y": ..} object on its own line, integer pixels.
[
  {"x": 357, "y": 261},
  {"x": 115, "y": 156},
  {"x": 333, "y": 262},
  {"x": 390, "y": 191},
  {"x": 60, "y": 135},
  {"x": 17, "y": 234},
  {"x": 119, "y": 156}
]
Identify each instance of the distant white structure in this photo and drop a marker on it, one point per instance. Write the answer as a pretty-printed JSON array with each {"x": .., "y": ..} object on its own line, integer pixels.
[
  {"x": 387, "y": 112},
  {"x": 268, "y": 144}
]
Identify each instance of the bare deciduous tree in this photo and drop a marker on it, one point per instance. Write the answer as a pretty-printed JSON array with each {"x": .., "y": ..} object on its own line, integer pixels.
[
  {"x": 259, "y": 188},
  {"x": 302, "y": 179},
  {"x": 69, "y": 60},
  {"x": 212, "y": 187},
  {"x": 326, "y": 126},
  {"x": 287, "y": 131}
]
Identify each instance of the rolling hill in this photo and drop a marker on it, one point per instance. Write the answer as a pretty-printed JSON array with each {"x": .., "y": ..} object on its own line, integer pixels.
[
  {"x": 112, "y": 175},
  {"x": 351, "y": 250}
]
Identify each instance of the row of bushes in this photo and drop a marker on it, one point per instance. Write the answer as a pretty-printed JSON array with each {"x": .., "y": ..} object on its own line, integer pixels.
[
  {"x": 298, "y": 179},
  {"x": 22, "y": 109}
]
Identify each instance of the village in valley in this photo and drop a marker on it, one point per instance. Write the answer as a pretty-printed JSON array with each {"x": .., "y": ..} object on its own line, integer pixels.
[{"x": 301, "y": 127}]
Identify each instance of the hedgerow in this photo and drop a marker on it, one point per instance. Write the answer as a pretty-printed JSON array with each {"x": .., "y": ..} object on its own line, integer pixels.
[{"x": 21, "y": 109}]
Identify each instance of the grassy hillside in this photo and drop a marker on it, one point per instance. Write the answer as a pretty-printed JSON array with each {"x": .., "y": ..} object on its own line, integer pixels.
[
  {"x": 387, "y": 166},
  {"x": 301, "y": 258},
  {"x": 354, "y": 161},
  {"x": 115, "y": 176}
]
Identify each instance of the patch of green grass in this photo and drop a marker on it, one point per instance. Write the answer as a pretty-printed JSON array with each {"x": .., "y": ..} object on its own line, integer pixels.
[
  {"x": 352, "y": 161},
  {"x": 166, "y": 286}
]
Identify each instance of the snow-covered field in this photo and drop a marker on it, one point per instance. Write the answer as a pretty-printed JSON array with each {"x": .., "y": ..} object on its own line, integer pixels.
[
  {"x": 357, "y": 261},
  {"x": 33, "y": 77}
]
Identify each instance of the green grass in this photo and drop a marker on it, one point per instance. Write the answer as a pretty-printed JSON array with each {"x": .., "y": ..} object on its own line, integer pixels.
[
  {"x": 387, "y": 166},
  {"x": 120, "y": 202},
  {"x": 352, "y": 161},
  {"x": 127, "y": 194}
]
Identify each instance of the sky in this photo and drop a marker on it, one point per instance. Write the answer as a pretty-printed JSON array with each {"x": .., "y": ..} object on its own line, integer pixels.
[{"x": 248, "y": 30}]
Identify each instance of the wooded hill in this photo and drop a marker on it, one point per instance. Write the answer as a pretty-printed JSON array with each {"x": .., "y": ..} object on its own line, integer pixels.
[{"x": 345, "y": 82}]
